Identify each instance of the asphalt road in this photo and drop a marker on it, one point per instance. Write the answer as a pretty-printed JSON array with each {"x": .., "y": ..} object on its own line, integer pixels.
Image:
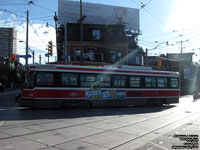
[{"x": 145, "y": 128}]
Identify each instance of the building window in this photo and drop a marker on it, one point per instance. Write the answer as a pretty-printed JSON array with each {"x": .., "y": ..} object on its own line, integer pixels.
[
  {"x": 69, "y": 79},
  {"x": 137, "y": 60},
  {"x": 112, "y": 55},
  {"x": 119, "y": 55},
  {"x": 91, "y": 55},
  {"x": 77, "y": 54},
  {"x": 162, "y": 82},
  {"x": 150, "y": 82},
  {"x": 135, "y": 81},
  {"x": 96, "y": 34}
]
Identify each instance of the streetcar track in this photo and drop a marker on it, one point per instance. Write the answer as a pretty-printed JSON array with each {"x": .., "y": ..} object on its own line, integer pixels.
[
  {"x": 154, "y": 130},
  {"x": 44, "y": 122},
  {"x": 142, "y": 120},
  {"x": 139, "y": 136},
  {"x": 48, "y": 130},
  {"x": 74, "y": 125}
]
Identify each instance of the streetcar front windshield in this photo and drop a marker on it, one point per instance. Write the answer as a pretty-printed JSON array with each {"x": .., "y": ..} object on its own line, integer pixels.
[{"x": 29, "y": 81}]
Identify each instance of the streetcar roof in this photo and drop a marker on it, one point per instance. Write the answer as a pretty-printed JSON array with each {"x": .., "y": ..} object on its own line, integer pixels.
[{"x": 123, "y": 69}]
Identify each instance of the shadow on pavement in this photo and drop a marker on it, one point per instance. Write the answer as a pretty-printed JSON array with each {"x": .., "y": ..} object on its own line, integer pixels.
[{"x": 35, "y": 114}]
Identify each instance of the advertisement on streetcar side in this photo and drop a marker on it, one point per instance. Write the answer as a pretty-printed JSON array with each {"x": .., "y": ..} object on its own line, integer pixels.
[{"x": 105, "y": 94}]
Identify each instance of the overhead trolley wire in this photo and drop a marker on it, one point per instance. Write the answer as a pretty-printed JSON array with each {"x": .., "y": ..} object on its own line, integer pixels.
[
  {"x": 15, "y": 4},
  {"x": 143, "y": 6},
  {"x": 10, "y": 12}
]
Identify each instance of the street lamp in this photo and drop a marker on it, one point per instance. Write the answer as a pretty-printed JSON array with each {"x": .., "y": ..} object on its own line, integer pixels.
[
  {"x": 156, "y": 46},
  {"x": 32, "y": 51},
  {"x": 154, "y": 49}
]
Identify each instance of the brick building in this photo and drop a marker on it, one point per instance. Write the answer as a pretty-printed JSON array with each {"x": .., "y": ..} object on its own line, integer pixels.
[{"x": 102, "y": 44}]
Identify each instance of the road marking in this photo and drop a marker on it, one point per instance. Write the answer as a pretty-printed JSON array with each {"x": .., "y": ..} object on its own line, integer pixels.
[
  {"x": 158, "y": 146},
  {"x": 7, "y": 116}
]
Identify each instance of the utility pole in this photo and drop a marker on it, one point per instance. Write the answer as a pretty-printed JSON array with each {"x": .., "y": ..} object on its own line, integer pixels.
[
  {"x": 33, "y": 57},
  {"x": 65, "y": 43},
  {"x": 146, "y": 56},
  {"x": 40, "y": 58},
  {"x": 56, "y": 20},
  {"x": 146, "y": 52},
  {"x": 27, "y": 20},
  {"x": 48, "y": 57},
  {"x": 81, "y": 33},
  {"x": 180, "y": 67}
]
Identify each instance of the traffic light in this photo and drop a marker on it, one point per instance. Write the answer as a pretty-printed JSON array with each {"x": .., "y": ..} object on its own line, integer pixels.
[
  {"x": 12, "y": 58},
  {"x": 50, "y": 48},
  {"x": 160, "y": 63}
]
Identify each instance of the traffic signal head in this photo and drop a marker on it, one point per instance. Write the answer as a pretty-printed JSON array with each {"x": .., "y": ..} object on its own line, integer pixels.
[
  {"x": 50, "y": 48},
  {"x": 12, "y": 58}
]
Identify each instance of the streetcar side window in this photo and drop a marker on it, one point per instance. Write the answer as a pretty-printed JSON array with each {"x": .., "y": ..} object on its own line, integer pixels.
[
  {"x": 69, "y": 79},
  {"x": 45, "y": 79},
  {"x": 161, "y": 82},
  {"x": 150, "y": 82},
  {"x": 103, "y": 80},
  {"x": 135, "y": 81},
  {"x": 87, "y": 80},
  {"x": 174, "y": 82},
  {"x": 119, "y": 81}
]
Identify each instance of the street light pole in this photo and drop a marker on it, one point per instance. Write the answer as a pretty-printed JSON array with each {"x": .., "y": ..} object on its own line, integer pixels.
[
  {"x": 155, "y": 48},
  {"x": 33, "y": 57},
  {"x": 27, "y": 20},
  {"x": 56, "y": 29},
  {"x": 180, "y": 66},
  {"x": 65, "y": 44},
  {"x": 81, "y": 34}
]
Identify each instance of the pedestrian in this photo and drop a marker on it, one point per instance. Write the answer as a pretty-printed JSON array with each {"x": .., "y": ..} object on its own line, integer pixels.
[{"x": 195, "y": 95}]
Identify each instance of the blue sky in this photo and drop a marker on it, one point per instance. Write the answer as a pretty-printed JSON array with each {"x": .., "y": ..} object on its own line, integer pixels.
[{"x": 160, "y": 20}]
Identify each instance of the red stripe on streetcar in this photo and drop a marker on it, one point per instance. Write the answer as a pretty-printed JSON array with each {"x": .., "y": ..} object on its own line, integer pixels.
[
  {"x": 54, "y": 93},
  {"x": 152, "y": 93},
  {"x": 32, "y": 67}
]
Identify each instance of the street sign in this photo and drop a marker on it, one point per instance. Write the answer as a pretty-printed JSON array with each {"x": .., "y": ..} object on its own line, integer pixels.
[
  {"x": 25, "y": 56},
  {"x": 63, "y": 56}
]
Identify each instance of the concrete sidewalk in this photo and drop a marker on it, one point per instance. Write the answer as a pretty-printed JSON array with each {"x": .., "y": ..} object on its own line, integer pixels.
[{"x": 184, "y": 137}]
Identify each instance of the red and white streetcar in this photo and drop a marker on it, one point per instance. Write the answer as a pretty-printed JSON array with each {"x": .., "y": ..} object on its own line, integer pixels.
[{"x": 64, "y": 85}]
